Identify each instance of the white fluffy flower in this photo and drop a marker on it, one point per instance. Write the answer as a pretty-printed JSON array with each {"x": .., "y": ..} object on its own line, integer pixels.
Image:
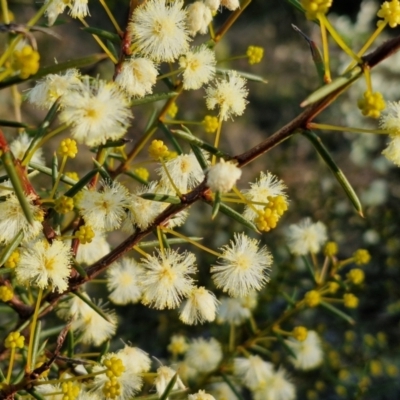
[
  {"x": 267, "y": 185},
  {"x": 308, "y": 353},
  {"x": 128, "y": 380},
  {"x": 232, "y": 311},
  {"x": 390, "y": 118},
  {"x": 213, "y": 5},
  {"x": 137, "y": 359},
  {"x": 231, "y": 5},
  {"x": 96, "y": 113},
  {"x": 178, "y": 345},
  {"x": 184, "y": 170},
  {"x": 222, "y": 391},
  {"x": 79, "y": 8},
  {"x": 137, "y": 77},
  {"x": 164, "y": 377},
  {"x": 104, "y": 210},
  {"x": 204, "y": 355},
  {"x": 43, "y": 264},
  {"x": 13, "y": 220},
  {"x": 122, "y": 282},
  {"x": 253, "y": 371},
  {"x": 243, "y": 266},
  {"x": 198, "y": 67},
  {"x": 89, "y": 253},
  {"x": 199, "y": 17},
  {"x": 392, "y": 151},
  {"x": 229, "y": 94},
  {"x": 158, "y": 30},
  {"x": 165, "y": 278},
  {"x": 306, "y": 237},
  {"x": 201, "y": 306},
  {"x": 92, "y": 327},
  {"x": 53, "y": 86},
  {"x": 277, "y": 387},
  {"x": 223, "y": 176},
  {"x": 55, "y": 8},
  {"x": 20, "y": 145},
  {"x": 201, "y": 395},
  {"x": 142, "y": 212}
]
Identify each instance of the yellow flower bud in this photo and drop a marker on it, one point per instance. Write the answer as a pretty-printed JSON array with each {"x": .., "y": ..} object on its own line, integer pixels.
[
  {"x": 6, "y": 293},
  {"x": 255, "y": 54},
  {"x": 356, "y": 276},
  {"x": 371, "y": 104},
  {"x": 361, "y": 257},
  {"x": 158, "y": 150},
  {"x": 331, "y": 249},
  {"x": 300, "y": 333},
  {"x": 85, "y": 234},
  {"x": 210, "y": 123},
  {"x": 350, "y": 301},
  {"x": 312, "y": 298},
  {"x": 12, "y": 260},
  {"x": 68, "y": 148},
  {"x": 142, "y": 173},
  {"x": 14, "y": 340},
  {"x": 64, "y": 205}
]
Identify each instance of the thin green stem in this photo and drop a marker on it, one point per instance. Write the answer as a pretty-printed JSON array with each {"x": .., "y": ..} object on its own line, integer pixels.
[
  {"x": 327, "y": 127},
  {"x": 338, "y": 39},
  {"x": 159, "y": 233},
  {"x": 232, "y": 338},
  {"x": 216, "y": 141},
  {"x": 368, "y": 43},
  {"x": 171, "y": 73},
  {"x": 28, "y": 157},
  {"x": 325, "y": 48},
  {"x": 10, "y": 366},
  {"x": 100, "y": 43},
  {"x": 4, "y": 12},
  {"x": 39, "y": 14},
  {"x": 60, "y": 172},
  {"x": 232, "y": 58},
  {"x": 73, "y": 379},
  {"x": 194, "y": 243},
  {"x": 182, "y": 122},
  {"x": 140, "y": 251},
  {"x": 6, "y": 73},
  {"x": 111, "y": 16},
  {"x": 32, "y": 331},
  {"x": 177, "y": 191}
]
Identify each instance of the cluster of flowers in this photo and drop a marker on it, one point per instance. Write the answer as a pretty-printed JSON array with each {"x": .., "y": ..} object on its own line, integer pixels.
[{"x": 98, "y": 113}]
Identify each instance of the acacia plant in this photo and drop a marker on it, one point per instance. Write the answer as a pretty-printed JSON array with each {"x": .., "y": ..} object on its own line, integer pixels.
[{"x": 118, "y": 231}]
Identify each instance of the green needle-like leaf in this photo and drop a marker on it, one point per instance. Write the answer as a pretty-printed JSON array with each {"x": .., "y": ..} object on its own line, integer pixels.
[
  {"x": 337, "y": 172},
  {"x": 153, "y": 98},
  {"x": 113, "y": 37},
  {"x": 342, "y": 82},
  {"x": 169, "y": 387},
  {"x": 232, "y": 386},
  {"x": 170, "y": 136},
  {"x": 9, "y": 249},
  {"x": 337, "y": 312},
  {"x": 48, "y": 171},
  {"x": 247, "y": 75},
  {"x": 216, "y": 205},
  {"x": 188, "y": 137},
  {"x": 93, "y": 306},
  {"x": 16, "y": 183},
  {"x": 54, "y": 69},
  {"x": 163, "y": 198}
]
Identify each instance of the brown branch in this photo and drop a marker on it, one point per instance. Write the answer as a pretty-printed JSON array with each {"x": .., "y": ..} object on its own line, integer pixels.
[{"x": 381, "y": 53}]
